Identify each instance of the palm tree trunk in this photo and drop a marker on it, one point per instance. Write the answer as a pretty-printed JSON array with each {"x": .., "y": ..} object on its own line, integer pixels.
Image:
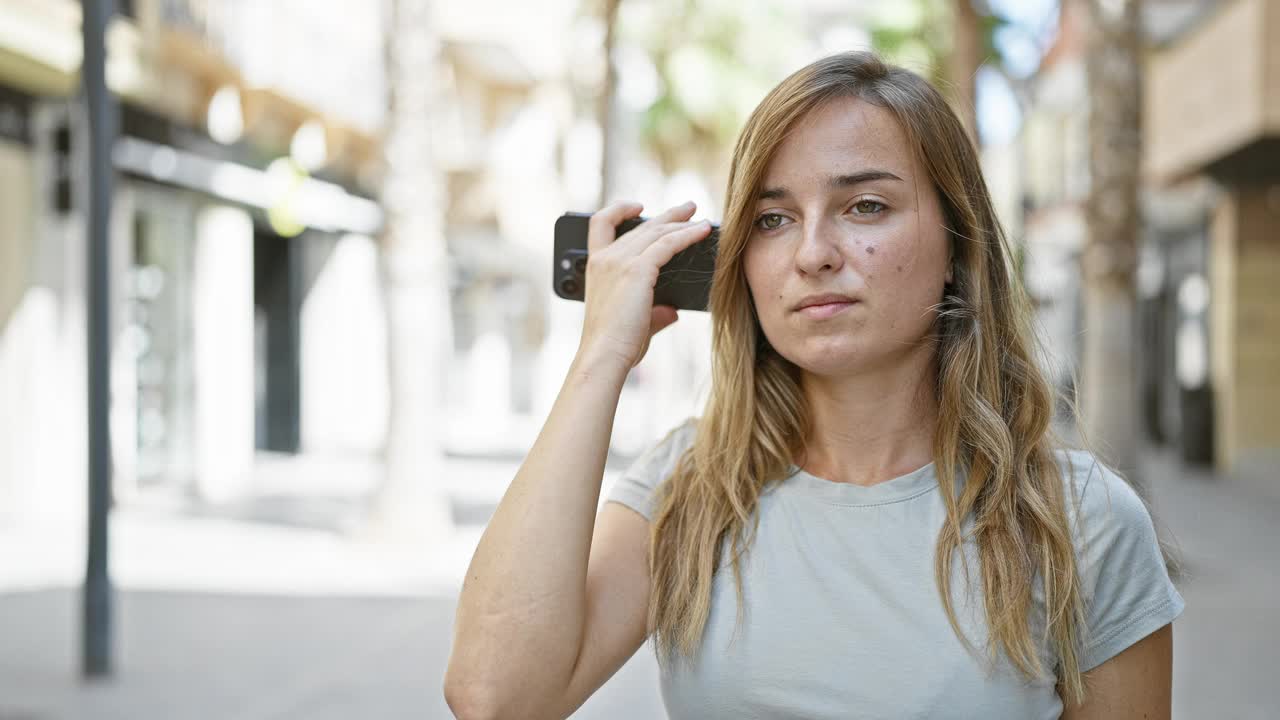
[
  {"x": 411, "y": 501},
  {"x": 1110, "y": 400},
  {"x": 606, "y": 108},
  {"x": 966, "y": 58}
]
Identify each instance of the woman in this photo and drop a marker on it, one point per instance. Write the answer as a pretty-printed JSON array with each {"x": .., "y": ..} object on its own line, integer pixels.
[{"x": 875, "y": 412}]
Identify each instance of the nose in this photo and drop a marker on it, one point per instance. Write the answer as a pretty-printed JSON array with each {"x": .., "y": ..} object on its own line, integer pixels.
[{"x": 819, "y": 249}]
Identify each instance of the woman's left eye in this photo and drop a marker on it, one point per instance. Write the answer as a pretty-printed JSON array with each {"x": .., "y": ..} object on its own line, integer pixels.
[{"x": 868, "y": 207}]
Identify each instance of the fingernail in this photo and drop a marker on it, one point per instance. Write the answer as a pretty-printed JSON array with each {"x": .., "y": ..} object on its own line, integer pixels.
[{"x": 688, "y": 204}]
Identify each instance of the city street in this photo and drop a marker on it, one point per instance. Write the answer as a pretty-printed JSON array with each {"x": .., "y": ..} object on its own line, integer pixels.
[
  {"x": 289, "y": 290},
  {"x": 366, "y": 630}
]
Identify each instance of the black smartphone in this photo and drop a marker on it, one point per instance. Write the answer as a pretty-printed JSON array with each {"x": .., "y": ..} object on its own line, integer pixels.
[{"x": 683, "y": 283}]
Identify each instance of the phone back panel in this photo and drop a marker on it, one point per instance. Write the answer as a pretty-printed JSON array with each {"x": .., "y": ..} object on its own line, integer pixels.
[{"x": 683, "y": 283}]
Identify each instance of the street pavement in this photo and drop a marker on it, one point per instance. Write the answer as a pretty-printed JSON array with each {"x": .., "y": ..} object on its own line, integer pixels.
[
  {"x": 250, "y": 657},
  {"x": 282, "y": 609},
  {"x": 1227, "y": 641}
]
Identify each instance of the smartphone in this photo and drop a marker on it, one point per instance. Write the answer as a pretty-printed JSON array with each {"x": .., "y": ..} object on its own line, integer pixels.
[{"x": 683, "y": 283}]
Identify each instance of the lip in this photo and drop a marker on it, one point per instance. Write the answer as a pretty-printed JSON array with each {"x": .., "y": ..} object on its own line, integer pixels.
[
  {"x": 826, "y": 310},
  {"x": 824, "y": 299}
]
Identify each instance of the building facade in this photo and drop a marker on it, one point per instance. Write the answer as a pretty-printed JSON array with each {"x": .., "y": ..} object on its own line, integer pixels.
[
  {"x": 1208, "y": 199},
  {"x": 1212, "y": 110},
  {"x": 248, "y": 295},
  {"x": 233, "y": 191}
]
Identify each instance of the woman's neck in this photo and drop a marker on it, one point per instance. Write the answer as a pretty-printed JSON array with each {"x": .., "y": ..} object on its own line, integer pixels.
[{"x": 874, "y": 425}]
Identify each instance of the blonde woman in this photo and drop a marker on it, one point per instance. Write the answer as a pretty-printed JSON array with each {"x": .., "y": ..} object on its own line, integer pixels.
[{"x": 871, "y": 518}]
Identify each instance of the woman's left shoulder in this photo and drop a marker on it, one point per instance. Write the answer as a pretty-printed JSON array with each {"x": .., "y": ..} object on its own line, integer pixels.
[
  {"x": 1096, "y": 492},
  {"x": 1123, "y": 571}
]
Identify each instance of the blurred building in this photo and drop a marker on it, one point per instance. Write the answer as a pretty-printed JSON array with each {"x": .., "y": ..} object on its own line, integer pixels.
[
  {"x": 1212, "y": 109},
  {"x": 519, "y": 144},
  {"x": 248, "y": 302},
  {"x": 1204, "y": 389},
  {"x": 245, "y": 161}
]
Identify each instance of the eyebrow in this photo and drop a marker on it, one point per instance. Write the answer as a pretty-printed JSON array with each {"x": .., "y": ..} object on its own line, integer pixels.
[{"x": 833, "y": 182}]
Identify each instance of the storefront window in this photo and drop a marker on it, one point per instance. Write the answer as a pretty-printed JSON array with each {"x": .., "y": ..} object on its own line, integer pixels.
[{"x": 159, "y": 296}]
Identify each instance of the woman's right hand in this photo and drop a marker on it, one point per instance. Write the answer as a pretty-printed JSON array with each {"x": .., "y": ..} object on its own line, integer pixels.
[{"x": 621, "y": 274}]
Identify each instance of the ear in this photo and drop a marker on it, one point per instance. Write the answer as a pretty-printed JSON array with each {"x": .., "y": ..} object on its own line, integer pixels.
[{"x": 951, "y": 265}]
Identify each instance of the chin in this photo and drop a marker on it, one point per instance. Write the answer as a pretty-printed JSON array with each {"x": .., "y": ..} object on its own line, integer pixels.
[{"x": 826, "y": 356}]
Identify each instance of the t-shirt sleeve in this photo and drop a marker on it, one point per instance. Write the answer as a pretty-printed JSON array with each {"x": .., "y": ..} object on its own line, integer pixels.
[
  {"x": 1127, "y": 590},
  {"x": 637, "y": 485}
]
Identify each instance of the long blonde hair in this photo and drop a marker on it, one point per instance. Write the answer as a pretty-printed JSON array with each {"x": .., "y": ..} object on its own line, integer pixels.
[{"x": 994, "y": 405}]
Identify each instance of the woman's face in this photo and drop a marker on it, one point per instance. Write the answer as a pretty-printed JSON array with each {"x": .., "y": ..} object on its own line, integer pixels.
[{"x": 846, "y": 209}]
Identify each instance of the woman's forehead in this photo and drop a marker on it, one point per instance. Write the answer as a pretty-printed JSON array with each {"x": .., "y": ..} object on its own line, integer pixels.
[{"x": 842, "y": 136}]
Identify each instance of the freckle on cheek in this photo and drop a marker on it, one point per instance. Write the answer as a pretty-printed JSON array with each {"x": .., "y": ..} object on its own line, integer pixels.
[
  {"x": 871, "y": 249},
  {"x": 899, "y": 268}
]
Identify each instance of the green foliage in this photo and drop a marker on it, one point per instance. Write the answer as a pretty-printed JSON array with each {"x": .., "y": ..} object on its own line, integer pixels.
[
  {"x": 914, "y": 33},
  {"x": 917, "y": 34},
  {"x": 715, "y": 60}
]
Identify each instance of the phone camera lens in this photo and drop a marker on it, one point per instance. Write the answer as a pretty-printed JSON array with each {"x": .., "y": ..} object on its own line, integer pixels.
[
  {"x": 570, "y": 286},
  {"x": 580, "y": 265}
]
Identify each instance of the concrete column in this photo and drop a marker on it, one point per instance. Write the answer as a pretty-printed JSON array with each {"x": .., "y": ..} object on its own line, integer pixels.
[
  {"x": 1222, "y": 285},
  {"x": 17, "y": 244},
  {"x": 1245, "y": 317},
  {"x": 344, "y": 354},
  {"x": 223, "y": 331}
]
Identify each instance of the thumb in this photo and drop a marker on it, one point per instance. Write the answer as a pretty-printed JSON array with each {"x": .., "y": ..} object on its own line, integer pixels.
[{"x": 661, "y": 317}]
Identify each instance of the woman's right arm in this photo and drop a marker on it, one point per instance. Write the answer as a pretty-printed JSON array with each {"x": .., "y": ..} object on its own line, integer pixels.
[{"x": 555, "y": 598}]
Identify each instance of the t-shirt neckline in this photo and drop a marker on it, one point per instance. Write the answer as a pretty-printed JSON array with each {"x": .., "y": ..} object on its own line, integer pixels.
[{"x": 903, "y": 487}]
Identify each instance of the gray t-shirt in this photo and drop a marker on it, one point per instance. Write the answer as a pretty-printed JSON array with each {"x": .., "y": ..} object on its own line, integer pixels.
[{"x": 843, "y": 618}]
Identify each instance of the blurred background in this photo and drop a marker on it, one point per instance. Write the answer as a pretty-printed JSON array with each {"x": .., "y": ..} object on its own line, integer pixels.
[{"x": 331, "y": 334}]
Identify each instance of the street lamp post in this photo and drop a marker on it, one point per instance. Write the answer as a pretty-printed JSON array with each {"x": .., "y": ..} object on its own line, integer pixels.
[{"x": 97, "y": 600}]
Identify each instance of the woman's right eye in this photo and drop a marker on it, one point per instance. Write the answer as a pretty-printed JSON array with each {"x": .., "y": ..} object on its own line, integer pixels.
[{"x": 763, "y": 222}]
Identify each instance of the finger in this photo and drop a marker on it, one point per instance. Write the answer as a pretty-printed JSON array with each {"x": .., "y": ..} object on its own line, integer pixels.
[
  {"x": 684, "y": 211},
  {"x": 603, "y": 226},
  {"x": 666, "y": 247},
  {"x": 636, "y": 242},
  {"x": 660, "y": 318}
]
